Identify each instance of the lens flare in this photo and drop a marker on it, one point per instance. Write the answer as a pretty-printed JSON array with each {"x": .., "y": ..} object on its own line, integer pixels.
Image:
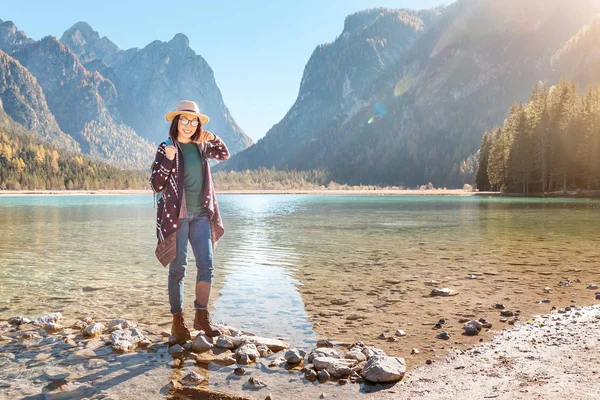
[
  {"x": 370, "y": 121},
  {"x": 403, "y": 85},
  {"x": 381, "y": 109}
]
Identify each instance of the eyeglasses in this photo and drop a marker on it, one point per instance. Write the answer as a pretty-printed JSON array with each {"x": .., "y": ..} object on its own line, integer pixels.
[{"x": 185, "y": 121}]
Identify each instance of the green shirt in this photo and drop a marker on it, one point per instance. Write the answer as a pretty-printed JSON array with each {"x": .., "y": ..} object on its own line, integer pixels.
[{"x": 192, "y": 167}]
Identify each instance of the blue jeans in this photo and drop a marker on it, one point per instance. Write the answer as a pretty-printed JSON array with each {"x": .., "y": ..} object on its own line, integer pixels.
[{"x": 196, "y": 229}]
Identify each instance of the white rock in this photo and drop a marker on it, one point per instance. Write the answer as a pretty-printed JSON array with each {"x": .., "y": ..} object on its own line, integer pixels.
[
  {"x": 124, "y": 323},
  {"x": 371, "y": 351},
  {"x": 192, "y": 379},
  {"x": 247, "y": 352},
  {"x": 325, "y": 351},
  {"x": 274, "y": 345},
  {"x": 442, "y": 292},
  {"x": 336, "y": 367},
  {"x": 294, "y": 356},
  {"x": 355, "y": 354},
  {"x": 264, "y": 350},
  {"x": 383, "y": 369},
  {"x": 49, "y": 318},
  {"x": 201, "y": 344},
  {"x": 94, "y": 329},
  {"x": 53, "y": 327},
  {"x": 126, "y": 340}
]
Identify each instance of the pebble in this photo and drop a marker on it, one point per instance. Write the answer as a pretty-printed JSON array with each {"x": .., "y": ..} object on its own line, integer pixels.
[
  {"x": 239, "y": 371},
  {"x": 20, "y": 320},
  {"x": 591, "y": 286},
  {"x": 176, "y": 351},
  {"x": 443, "y": 335},
  {"x": 400, "y": 333},
  {"x": 53, "y": 327},
  {"x": 324, "y": 343},
  {"x": 472, "y": 328},
  {"x": 507, "y": 313},
  {"x": 384, "y": 369},
  {"x": 323, "y": 376},
  {"x": 598, "y": 296},
  {"x": 49, "y": 318},
  {"x": 310, "y": 375},
  {"x": 294, "y": 356},
  {"x": 414, "y": 351},
  {"x": 269, "y": 397},
  {"x": 442, "y": 292},
  {"x": 93, "y": 330},
  {"x": 253, "y": 382},
  {"x": 499, "y": 306},
  {"x": 192, "y": 379}
]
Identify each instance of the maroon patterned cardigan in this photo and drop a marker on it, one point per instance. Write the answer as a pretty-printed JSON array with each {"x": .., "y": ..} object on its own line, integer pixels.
[{"x": 167, "y": 176}]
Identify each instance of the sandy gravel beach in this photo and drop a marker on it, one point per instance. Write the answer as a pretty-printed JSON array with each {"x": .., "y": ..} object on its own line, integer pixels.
[{"x": 553, "y": 356}]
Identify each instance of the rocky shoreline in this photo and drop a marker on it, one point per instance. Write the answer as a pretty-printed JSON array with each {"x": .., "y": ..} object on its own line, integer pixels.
[{"x": 53, "y": 358}]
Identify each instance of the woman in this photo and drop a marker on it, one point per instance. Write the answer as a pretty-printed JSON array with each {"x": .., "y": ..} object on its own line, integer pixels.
[{"x": 187, "y": 210}]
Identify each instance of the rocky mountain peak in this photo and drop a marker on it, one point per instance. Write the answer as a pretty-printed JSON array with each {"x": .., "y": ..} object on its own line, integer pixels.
[
  {"x": 11, "y": 37},
  {"x": 87, "y": 44},
  {"x": 179, "y": 41}
]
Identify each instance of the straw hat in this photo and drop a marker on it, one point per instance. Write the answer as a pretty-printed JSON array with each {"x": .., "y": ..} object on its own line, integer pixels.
[{"x": 189, "y": 107}]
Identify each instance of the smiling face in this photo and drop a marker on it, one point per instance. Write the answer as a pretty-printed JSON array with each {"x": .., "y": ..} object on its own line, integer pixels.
[{"x": 186, "y": 131}]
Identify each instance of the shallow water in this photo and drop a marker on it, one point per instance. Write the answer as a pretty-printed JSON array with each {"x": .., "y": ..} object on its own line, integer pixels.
[{"x": 283, "y": 259}]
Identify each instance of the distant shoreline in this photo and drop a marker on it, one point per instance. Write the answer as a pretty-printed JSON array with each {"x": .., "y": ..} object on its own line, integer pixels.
[
  {"x": 434, "y": 192},
  {"x": 381, "y": 192}
]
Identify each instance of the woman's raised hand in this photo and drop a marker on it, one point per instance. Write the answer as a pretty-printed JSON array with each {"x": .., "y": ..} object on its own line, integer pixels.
[{"x": 170, "y": 150}]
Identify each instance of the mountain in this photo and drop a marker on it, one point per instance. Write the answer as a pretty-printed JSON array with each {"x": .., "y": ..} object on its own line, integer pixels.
[
  {"x": 28, "y": 162},
  {"x": 151, "y": 81},
  {"x": 424, "y": 109},
  {"x": 22, "y": 97},
  {"x": 83, "y": 103},
  {"x": 579, "y": 58}
]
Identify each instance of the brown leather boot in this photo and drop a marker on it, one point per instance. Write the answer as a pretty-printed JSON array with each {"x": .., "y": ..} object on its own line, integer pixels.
[
  {"x": 179, "y": 329},
  {"x": 202, "y": 323}
]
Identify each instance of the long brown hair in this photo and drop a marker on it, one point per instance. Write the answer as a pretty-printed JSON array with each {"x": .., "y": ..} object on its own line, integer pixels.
[{"x": 199, "y": 136}]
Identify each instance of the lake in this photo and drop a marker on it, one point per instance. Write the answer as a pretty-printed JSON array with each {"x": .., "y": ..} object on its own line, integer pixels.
[{"x": 301, "y": 267}]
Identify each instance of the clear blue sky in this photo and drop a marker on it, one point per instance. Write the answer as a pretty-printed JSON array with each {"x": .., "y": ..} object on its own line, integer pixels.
[{"x": 257, "y": 49}]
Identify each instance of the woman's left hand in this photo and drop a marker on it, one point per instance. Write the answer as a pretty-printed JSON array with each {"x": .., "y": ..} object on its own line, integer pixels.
[{"x": 208, "y": 135}]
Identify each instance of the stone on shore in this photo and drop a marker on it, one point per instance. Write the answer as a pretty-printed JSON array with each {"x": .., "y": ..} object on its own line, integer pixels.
[
  {"x": 53, "y": 327},
  {"x": 201, "y": 343},
  {"x": 247, "y": 353},
  {"x": 126, "y": 340},
  {"x": 383, "y": 369},
  {"x": 118, "y": 324},
  {"x": 371, "y": 351},
  {"x": 310, "y": 375},
  {"x": 355, "y": 353},
  {"x": 49, "y": 318},
  {"x": 336, "y": 367},
  {"x": 255, "y": 383},
  {"x": 442, "y": 292},
  {"x": 323, "y": 351},
  {"x": 94, "y": 330},
  {"x": 274, "y": 345},
  {"x": 472, "y": 328},
  {"x": 192, "y": 379},
  {"x": 294, "y": 356},
  {"x": 20, "y": 320}
]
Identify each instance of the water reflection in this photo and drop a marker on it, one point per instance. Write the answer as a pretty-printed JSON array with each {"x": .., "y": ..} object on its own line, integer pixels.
[{"x": 260, "y": 293}]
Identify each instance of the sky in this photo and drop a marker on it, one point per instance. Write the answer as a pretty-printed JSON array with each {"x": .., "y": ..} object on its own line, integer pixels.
[{"x": 257, "y": 49}]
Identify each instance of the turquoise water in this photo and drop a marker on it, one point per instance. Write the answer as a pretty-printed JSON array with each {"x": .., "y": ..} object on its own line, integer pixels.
[{"x": 94, "y": 254}]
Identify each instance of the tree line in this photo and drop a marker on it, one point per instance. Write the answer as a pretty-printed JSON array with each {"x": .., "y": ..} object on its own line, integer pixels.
[
  {"x": 550, "y": 144},
  {"x": 27, "y": 162}
]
